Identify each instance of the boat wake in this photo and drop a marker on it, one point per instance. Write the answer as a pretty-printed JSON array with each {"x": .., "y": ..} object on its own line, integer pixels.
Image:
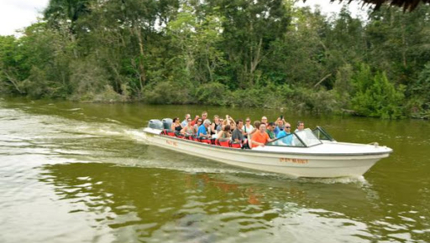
[{"x": 112, "y": 142}]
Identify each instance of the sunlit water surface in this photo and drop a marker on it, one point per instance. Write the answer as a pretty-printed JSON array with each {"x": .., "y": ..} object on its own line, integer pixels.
[{"x": 82, "y": 173}]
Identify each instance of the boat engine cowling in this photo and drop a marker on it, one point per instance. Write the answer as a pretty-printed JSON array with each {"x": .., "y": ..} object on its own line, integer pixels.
[
  {"x": 155, "y": 124},
  {"x": 167, "y": 123}
]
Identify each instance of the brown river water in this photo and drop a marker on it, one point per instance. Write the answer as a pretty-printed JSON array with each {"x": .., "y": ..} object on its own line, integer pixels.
[{"x": 73, "y": 172}]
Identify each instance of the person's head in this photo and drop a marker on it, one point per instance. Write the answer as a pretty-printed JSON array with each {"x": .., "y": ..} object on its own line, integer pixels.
[
  {"x": 271, "y": 126},
  {"x": 233, "y": 126},
  {"x": 216, "y": 119},
  {"x": 187, "y": 116},
  {"x": 280, "y": 123},
  {"x": 257, "y": 124},
  {"x": 199, "y": 121},
  {"x": 207, "y": 122},
  {"x": 300, "y": 125},
  {"x": 226, "y": 128},
  {"x": 239, "y": 124},
  {"x": 248, "y": 121},
  {"x": 176, "y": 120},
  {"x": 264, "y": 119},
  {"x": 204, "y": 115},
  {"x": 287, "y": 127},
  {"x": 189, "y": 121},
  {"x": 262, "y": 128}
]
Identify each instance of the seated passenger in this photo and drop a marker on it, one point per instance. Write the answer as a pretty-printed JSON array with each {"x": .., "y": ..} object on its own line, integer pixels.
[
  {"x": 270, "y": 128},
  {"x": 216, "y": 126},
  {"x": 202, "y": 132},
  {"x": 197, "y": 125},
  {"x": 260, "y": 138},
  {"x": 264, "y": 120},
  {"x": 176, "y": 126},
  {"x": 279, "y": 125},
  {"x": 248, "y": 128},
  {"x": 229, "y": 121},
  {"x": 194, "y": 121},
  {"x": 238, "y": 133},
  {"x": 285, "y": 136},
  {"x": 300, "y": 126},
  {"x": 185, "y": 121},
  {"x": 188, "y": 130},
  {"x": 225, "y": 134}
]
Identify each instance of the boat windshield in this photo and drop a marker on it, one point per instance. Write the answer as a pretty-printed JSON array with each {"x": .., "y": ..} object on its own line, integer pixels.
[
  {"x": 304, "y": 138},
  {"x": 322, "y": 134}
]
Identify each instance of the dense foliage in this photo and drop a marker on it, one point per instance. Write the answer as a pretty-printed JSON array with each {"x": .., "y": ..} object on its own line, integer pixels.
[{"x": 224, "y": 52}]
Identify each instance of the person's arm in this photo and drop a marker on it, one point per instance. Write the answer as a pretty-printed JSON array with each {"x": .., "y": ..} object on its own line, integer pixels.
[{"x": 269, "y": 139}]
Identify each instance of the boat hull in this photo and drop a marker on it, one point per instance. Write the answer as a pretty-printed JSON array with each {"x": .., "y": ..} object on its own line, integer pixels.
[{"x": 294, "y": 163}]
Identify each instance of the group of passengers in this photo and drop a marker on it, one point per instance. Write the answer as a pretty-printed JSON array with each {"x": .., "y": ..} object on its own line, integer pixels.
[{"x": 236, "y": 131}]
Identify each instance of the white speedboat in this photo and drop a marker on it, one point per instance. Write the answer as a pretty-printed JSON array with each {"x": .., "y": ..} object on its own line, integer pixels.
[{"x": 310, "y": 154}]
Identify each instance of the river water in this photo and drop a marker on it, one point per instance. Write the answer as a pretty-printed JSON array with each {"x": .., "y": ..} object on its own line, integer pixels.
[{"x": 72, "y": 172}]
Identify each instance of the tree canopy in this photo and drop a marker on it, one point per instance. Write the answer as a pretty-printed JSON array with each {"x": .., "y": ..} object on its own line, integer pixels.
[{"x": 224, "y": 52}]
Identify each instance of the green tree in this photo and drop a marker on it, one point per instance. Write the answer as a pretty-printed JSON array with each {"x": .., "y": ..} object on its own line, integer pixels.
[{"x": 375, "y": 96}]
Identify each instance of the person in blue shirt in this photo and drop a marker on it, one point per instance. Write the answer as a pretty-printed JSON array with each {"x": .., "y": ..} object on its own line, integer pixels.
[
  {"x": 202, "y": 132},
  {"x": 184, "y": 123},
  {"x": 285, "y": 136},
  {"x": 279, "y": 125}
]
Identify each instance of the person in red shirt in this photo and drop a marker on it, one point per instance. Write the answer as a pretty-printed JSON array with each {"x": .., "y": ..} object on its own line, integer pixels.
[
  {"x": 204, "y": 117},
  {"x": 260, "y": 138}
]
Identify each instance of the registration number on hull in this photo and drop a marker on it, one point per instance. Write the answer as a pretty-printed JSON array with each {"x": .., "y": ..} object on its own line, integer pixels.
[
  {"x": 295, "y": 161},
  {"x": 171, "y": 143}
]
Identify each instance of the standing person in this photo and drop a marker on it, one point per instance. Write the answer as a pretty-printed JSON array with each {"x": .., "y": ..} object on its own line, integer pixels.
[
  {"x": 260, "y": 138},
  {"x": 270, "y": 129},
  {"x": 185, "y": 121},
  {"x": 247, "y": 128},
  {"x": 300, "y": 126},
  {"x": 202, "y": 131},
  {"x": 237, "y": 135},
  {"x": 285, "y": 136}
]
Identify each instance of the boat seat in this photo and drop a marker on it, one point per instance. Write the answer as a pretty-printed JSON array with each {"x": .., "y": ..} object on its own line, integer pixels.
[
  {"x": 205, "y": 140},
  {"x": 172, "y": 134},
  {"x": 236, "y": 145},
  {"x": 223, "y": 143},
  {"x": 168, "y": 132}
]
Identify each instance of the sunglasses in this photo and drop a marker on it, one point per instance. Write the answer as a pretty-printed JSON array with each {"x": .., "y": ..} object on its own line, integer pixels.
[{"x": 287, "y": 127}]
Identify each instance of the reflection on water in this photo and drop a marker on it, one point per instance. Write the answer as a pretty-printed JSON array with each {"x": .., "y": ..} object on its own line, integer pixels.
[
  {"x": 82, "y": 173},
  {"x": 144, "y": 204}
]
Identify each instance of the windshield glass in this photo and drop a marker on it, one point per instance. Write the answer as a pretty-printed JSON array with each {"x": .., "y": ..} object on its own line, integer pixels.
[
  {"x": 322, "y": 134},
  {"x": 303, "y": 138},
  {"x": 307, "y": 137}
]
